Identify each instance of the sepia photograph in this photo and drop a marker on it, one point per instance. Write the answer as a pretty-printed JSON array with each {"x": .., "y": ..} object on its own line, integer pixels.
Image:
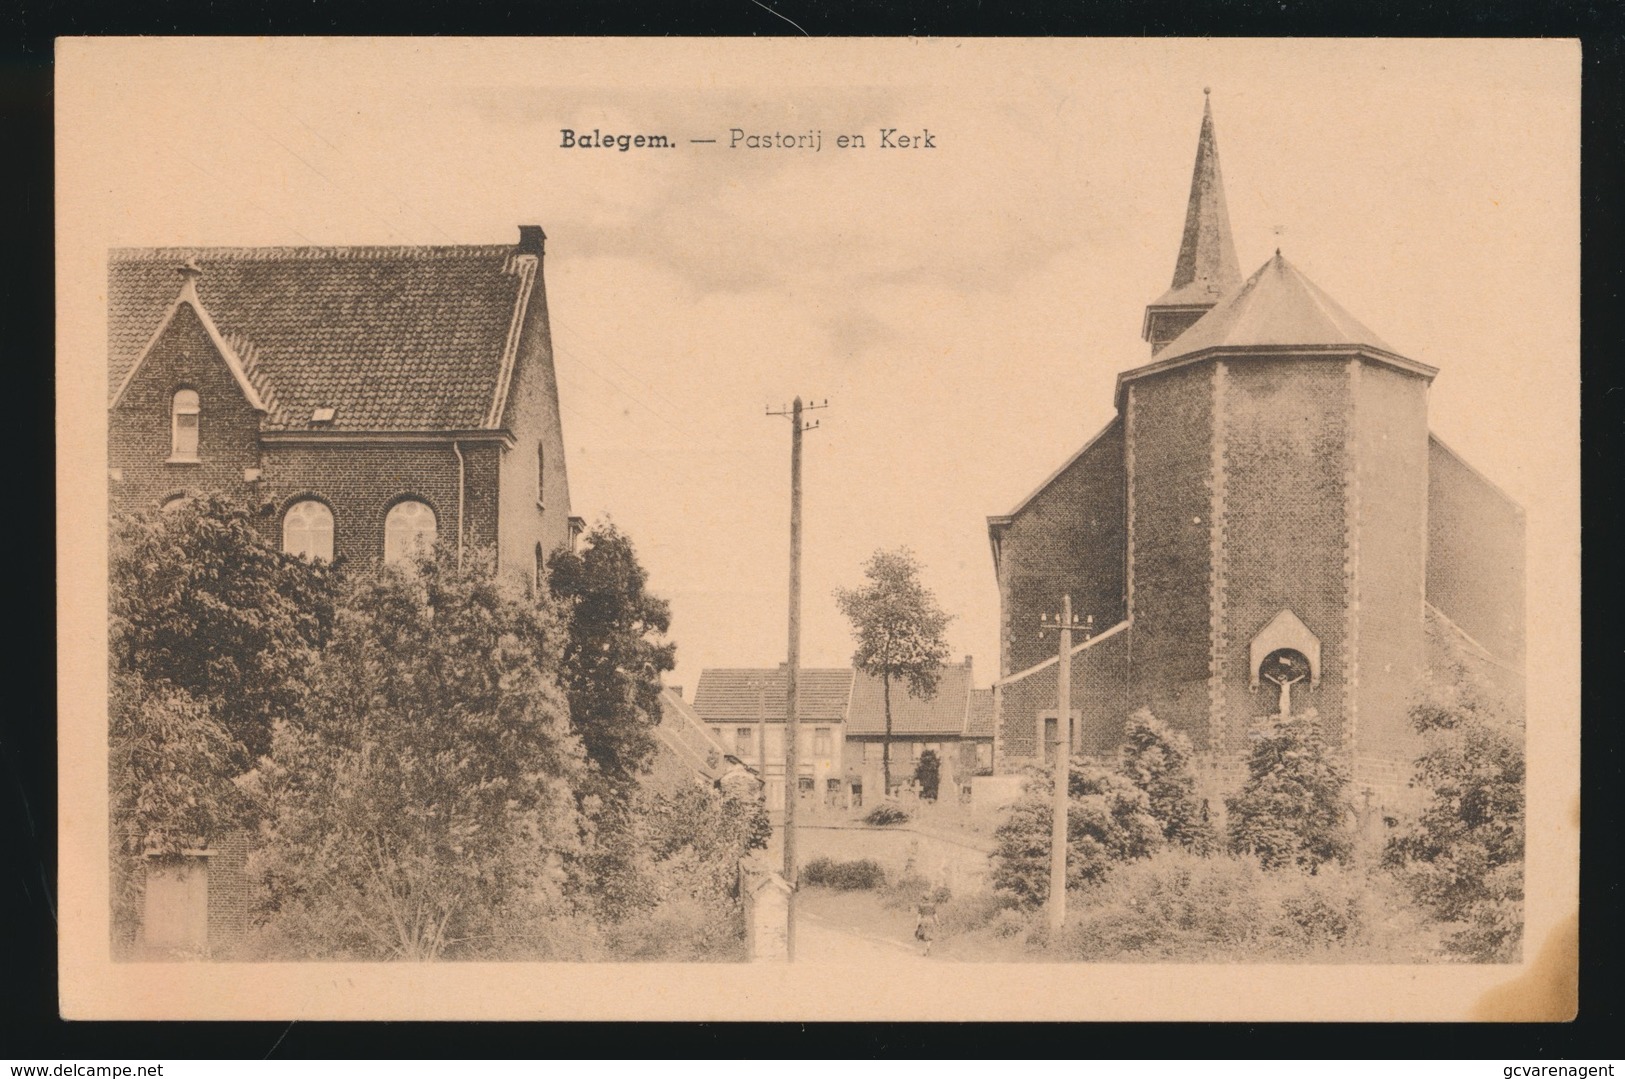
[{"x": 845, "y": 529}]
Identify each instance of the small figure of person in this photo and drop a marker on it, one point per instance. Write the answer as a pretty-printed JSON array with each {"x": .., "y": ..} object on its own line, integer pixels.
[{"x": 925, "y": 922}]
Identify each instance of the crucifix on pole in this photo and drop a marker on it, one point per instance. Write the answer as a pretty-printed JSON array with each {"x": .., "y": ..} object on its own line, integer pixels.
[{"x": 1064, "y": 736}]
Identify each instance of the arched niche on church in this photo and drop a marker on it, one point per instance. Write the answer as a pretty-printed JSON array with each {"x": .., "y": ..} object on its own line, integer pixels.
[{"x": 1283, "y": 639}]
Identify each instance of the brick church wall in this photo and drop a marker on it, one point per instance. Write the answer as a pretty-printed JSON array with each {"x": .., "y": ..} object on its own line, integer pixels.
[
  {"x": 1390, "y": 443},
  {"x": 1170, "y": 425},
  {"x": 1475, "y": 555},
  {"x": 139, "y": 429},
  {"x": 1099, "y": 695},
  {"x": 1286, "y": 461},
  {"x": 1069, "y": 538}
]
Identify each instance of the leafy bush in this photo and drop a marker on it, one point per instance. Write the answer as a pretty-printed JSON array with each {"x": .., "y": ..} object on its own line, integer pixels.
[
  {"x": 972, "y": 911},
  {"x": 680, "y": 930},
  {"x": 882, "y": 815},
  {"x": 862, "y": 874},
  {"x": 1180, "y": 907},
  {"x": 1009, "y": 923},
  {"x": 1293, "y": 809},
  {"x": 1157, "y": 759},
  {"x": 1462, "y": 855},
  {"x": 1108, "y": 823},
  {"x": 427, "y": 791}
]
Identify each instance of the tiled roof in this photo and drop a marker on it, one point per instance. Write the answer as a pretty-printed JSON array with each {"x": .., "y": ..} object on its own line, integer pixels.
[
  {"x": 729, "y": 694},
  {"x": 1278, "y": 306},
  {"x": 391, "y": 338},
  {"x": 979, "y": 721},
  {"x": 943, "y": 713},
  {"x": 683, "y": 734}
]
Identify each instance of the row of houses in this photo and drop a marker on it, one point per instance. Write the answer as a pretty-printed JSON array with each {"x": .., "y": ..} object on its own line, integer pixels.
[{"x": 842, "y": 722}]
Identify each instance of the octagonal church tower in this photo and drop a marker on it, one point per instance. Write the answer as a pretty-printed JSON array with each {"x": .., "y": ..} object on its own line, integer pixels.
[{"x": 1256, "y": 529}]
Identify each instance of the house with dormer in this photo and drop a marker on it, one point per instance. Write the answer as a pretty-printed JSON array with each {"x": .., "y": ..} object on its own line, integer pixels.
[{"x": 369, "y": 400}]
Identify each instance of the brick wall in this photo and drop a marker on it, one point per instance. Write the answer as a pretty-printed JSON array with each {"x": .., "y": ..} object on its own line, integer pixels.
[
  {"x": 1170, "y": 424},
  {"x": 532, "y": 415},
  {"x": 1475, "y": 555},
  {"x": 1391, "y": 467},
  {"x": 1068, "y": 538},
  {"x": 1099, "y": 695},
  {"x": 1286, "y": 466},
  {"x": 139, "y": 427},
  {"x": 361, "y": 482},
  {"x": 228, "y": 889}
]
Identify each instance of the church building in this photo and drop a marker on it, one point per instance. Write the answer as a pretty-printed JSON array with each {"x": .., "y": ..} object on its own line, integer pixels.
[{"x": 1266, "y": 525}]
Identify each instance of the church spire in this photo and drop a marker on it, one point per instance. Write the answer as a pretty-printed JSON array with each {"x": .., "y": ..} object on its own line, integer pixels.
[{"x": 1206, "y": 268}]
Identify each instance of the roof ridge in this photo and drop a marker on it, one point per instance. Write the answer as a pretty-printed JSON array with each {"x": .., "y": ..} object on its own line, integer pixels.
[{"x": 290, "y": 253}]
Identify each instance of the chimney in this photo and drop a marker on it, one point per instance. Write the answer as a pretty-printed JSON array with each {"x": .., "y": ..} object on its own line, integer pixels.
[{"x": 532, "y": 240}]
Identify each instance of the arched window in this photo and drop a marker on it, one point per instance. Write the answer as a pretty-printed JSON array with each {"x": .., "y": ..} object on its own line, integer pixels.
[
  {"x": 173, "y": 503},
  {"x": 409, "y": 529},
  {"x": 183, "y": 426},
  {"x": 538, "y": 580},
  {"x": 541, "y": 475},
  {"x": 307, "y": 530}
]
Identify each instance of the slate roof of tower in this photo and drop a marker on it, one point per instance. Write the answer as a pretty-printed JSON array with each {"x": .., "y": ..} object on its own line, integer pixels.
[
  {"x": 1206, "y": 268},
  {"x": 1278, "y": 306},
  {"x": 729, "y": 694},
  {"x": 392, "y": 338},
  {"x": 942, "y": 714}
]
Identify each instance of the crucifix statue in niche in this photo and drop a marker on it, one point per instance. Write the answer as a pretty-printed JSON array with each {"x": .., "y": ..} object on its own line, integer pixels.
[{"x": 1286, "y": 667}]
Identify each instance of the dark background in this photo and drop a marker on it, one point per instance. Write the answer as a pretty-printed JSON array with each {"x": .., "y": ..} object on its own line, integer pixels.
[{"x": 29, "y": 1027}]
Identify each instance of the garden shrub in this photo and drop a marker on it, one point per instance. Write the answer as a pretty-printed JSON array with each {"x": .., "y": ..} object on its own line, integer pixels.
[
  {"x": 1176, "y": 906},
  {"x": 882, "y": 815},
  {"x": 862, "y": 874},
  {"x": 1462, "y": 854},
  {"x": 1108, "y": 823}
]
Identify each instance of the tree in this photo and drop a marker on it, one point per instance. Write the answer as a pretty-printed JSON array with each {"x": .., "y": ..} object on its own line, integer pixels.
[
  {"x": 170, "y": 784},
  {"x": 1462, "y": 854},
  {"x": 1108, "y": 823},
  {"x": 613, "y": 655},
  {"x": 425, "y": 800},
  {"x": 211, "y": 634},
  {"x": 928, "y": 772},
  {"x": 200, "y": 600},
  {"x": 899, "y": 629},
  {"x": 1157, "y": 760},
  {"x": 1293, "y": 807}
]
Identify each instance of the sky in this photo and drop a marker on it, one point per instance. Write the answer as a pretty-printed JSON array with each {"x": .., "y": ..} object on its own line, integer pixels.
[{"x": 964, "y": 308}]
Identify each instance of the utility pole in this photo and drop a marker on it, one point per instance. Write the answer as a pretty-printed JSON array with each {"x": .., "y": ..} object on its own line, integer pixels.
[
  {"x": 1063, "y": 758},
  {"x": 792, "y": 729},
  {"x": 760, "y": 686}
]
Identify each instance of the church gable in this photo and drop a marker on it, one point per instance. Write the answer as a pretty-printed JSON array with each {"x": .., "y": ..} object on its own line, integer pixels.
[{"x": 1068, "y": 536}]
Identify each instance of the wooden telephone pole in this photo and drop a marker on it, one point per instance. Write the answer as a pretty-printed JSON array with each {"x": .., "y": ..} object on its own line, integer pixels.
[
  {"x": 1056, "y": 909},
  {"x": 792, "y": 726}
]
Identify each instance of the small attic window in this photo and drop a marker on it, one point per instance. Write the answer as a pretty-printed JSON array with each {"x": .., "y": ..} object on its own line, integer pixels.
[
  {"x": 323, "y": 415},
  {"x": 183, "y": 427}
]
